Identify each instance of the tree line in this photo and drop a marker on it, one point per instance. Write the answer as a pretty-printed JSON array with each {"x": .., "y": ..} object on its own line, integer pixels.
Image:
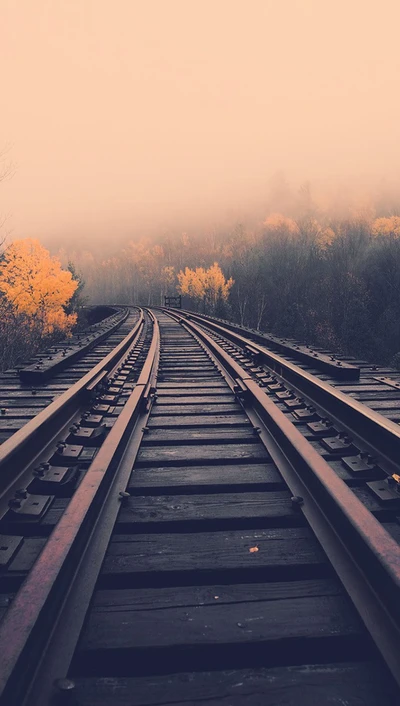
[
  {"x": 326, "y": 276},
  {"x": 334, "y": 282}
]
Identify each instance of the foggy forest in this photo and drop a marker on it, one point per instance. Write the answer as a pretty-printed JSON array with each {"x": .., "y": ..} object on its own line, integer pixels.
[
  {"x": 199, "y": 352},
  {"x": 192, "y": 156}
]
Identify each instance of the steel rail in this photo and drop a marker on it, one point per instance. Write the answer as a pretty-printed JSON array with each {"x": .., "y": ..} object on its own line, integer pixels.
[
  {"x": 364, "y": 555},
  {"x": 23, "y": 448},
  {"x": 329, "y": 364},
  {"x": 380, "y": 433},
  {"x": 41, "y": 370},
  {"x": 59, "y": 587}
]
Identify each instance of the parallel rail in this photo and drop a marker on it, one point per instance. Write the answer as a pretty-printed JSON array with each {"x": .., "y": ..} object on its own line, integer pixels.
[
  {"x": 363, "y": 554},
  {"x": 327, "y": 363},
  {"x": 64, "y": 354},
  {"x": 195, "y": 417},
  {"x": 26, "y": 448},
  {"x": 380, "y": 433}
]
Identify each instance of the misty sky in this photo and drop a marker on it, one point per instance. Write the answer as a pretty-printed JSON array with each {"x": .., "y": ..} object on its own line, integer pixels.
[{"x": 126, "y": 114}]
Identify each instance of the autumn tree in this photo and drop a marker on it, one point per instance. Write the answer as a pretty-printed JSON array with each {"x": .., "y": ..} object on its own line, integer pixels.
[
  {"x": 192, "y": 283},
  {"x": 280, "y": 225},
  {"x": 33, "y": 283},
  {"x": 386, "y": 226},
  {"x": 208, "y": 286}
]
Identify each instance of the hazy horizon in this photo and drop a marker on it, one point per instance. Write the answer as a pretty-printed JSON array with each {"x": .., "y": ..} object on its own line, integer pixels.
[{"x": 130, "y": 117}]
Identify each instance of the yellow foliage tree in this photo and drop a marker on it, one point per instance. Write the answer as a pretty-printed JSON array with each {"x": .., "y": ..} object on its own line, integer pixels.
[
  {"x": 387, "y": 226},
  {"x": 277, "y": 223},
  {"x": 217, "y": 287},
  {"x": 207, "y": 285},
  {"x": 35, "y": 285},
  {"x": 321, "y": 234},
  {"x": 192, "y": 283}
]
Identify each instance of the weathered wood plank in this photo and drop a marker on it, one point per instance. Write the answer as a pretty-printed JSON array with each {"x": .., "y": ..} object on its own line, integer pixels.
[
  {"x": 384, "y": 404},
  {"x": 213, "y": 551},
  {"x": 26, "y": 409},
  {"x": 202, "y": 420},
  {"x": 264, "y": 476},
  {"x": 225, "y": 398},
  {"x": 183, "y": 372},
  {"x": 138, "y": 599},
  {"x": 213, "y": 453},
  {"x": 21, "y": 394},
  {"x": 211, "y": 377},
  {"x": 37, "y": 402},
  {"x": 216, "y": 509},
  {"x": 13, "y": 424},
  {"x": 268, "y": 622},
  {"x": 197, "y": 391},
  {"x": 198, "y": 435},
  {"x": 165, "y": 387},
  {"x": 343, "y": 684},
  {"x": 197, "y": 409}
]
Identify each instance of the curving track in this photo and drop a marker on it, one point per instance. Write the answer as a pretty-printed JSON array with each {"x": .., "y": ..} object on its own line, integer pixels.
[
  {"x": 211, "y": 551},
  {"x": 27, "y": 391}
]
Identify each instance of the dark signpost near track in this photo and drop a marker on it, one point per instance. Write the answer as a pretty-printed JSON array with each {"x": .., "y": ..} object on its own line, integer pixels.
[{"x": 173, "y": 301}]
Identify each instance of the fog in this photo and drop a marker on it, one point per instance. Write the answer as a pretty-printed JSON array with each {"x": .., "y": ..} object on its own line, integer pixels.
[{"x": 130, "y": 117}]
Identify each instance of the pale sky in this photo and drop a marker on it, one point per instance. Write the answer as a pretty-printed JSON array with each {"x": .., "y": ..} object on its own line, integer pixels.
[{"x": 126, "y": 113}]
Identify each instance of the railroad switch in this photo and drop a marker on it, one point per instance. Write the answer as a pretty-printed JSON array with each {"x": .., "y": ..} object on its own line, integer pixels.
[
  {"x": 254, "y": 352},
  {"x": 240, "y": 389}
]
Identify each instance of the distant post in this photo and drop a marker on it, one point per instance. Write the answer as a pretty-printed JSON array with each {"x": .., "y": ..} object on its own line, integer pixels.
[{"x": 175, "y": 302}]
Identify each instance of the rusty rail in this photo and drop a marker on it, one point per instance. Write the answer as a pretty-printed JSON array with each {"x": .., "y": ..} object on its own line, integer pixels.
[
  {"x": 26, "y": 445},
  {"x": 329, "y": 364},
  {"x": 364, "y": 555},
  {"x": 58, "y": 588},
  {"x": 380, "y": 433}
]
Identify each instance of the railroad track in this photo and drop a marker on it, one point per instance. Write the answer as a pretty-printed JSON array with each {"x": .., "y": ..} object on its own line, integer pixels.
[
  {"x": 210, "y": 551},
  {"x": 26, "y": 391}
]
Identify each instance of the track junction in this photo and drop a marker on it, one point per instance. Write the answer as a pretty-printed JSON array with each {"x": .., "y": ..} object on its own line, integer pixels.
[{"x": 199, "y": 513}]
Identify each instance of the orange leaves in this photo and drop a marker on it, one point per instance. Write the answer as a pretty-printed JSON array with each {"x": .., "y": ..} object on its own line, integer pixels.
[
  {"x": 201, "y": 283},
  {"x": 34, "y": 283},
  {"x": 192, "y": 282},
  {"x": 277, "y": 223},
  {"x": 387, "y": 226},
  {"x": 216, "y": 283}
]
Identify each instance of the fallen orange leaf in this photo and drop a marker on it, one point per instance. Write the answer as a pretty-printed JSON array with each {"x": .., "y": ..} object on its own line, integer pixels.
[{"x": 253, "y": 549}]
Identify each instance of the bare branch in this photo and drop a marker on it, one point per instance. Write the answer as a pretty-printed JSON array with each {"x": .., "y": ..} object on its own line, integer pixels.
[{"x": 7, "y": 167}]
